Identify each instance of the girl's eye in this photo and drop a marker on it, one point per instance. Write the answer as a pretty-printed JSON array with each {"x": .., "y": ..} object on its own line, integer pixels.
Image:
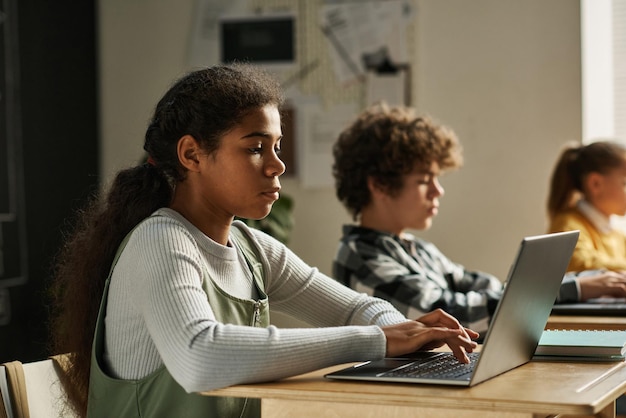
[{"x": 259, "y": 148}]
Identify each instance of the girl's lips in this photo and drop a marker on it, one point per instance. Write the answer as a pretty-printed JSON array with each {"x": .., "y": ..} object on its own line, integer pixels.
[{"x": 273, "y": 195}]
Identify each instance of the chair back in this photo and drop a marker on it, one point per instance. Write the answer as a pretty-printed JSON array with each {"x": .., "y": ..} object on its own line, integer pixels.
[
  {"x": 5, "y": 399},
  {"x": 35, "y": 390}
]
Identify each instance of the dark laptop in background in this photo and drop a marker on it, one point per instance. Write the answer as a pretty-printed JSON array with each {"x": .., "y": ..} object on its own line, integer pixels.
[
  {"x": 592, "y": 307},
  {"x": 522, "y": 313}
]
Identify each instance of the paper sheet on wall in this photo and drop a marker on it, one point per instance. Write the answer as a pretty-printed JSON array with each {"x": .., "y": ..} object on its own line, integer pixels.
[
  {"x": 388, "y": 87},
  {"x": 353, "y": 29},
  {"x": 318, "y": 129}
]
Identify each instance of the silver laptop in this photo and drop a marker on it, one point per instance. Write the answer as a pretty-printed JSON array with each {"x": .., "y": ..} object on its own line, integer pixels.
[{"x": 521, "y": 315}]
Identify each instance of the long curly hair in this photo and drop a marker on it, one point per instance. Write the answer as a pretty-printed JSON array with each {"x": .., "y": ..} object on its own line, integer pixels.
[
  {"x": 386, "y": 143},
  {"x": 205, "y": 104}
]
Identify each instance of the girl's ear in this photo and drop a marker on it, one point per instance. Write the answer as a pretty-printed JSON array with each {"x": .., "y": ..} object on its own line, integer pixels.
[
  {"x": 593, "y": 180},
  {"x": 189, "y": 152},
  {"x": 594, "y": 185}
]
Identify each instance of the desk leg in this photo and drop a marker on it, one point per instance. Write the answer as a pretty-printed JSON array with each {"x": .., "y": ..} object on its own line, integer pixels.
[
  {"x": 608, "y": 412},
  {"x": 286, "y": 408}
]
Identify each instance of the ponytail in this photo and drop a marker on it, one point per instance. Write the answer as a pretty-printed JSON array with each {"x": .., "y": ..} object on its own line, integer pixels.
[
  {"x": 565, "y": 181},
  {"x": 84, "y": 262},
  {"x": 134, "y": 194}
]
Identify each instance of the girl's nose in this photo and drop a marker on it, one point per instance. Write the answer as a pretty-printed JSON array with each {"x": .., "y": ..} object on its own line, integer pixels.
[{"x": 275, "y": 167}]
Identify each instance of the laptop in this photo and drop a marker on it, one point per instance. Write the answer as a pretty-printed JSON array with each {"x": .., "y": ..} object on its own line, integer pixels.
[
  {"x": 516, "y": 326},
  {"x": 599, "y": 306}
]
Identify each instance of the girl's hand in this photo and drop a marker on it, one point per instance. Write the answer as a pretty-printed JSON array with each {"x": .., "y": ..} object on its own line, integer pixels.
[{"x": 430, "y": 331}]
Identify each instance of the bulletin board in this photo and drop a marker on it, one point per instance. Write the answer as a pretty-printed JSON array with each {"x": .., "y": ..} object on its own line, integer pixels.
[{"x": 347, "y": 54}]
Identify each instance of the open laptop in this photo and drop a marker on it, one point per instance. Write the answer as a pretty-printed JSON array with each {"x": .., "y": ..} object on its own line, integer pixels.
[
  {"x": 599, "y": 306},
  {"x": 521, "y": 315}
]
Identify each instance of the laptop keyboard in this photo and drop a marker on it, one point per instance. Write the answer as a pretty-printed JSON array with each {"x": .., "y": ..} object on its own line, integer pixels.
[{"x": 442, "y": 366}]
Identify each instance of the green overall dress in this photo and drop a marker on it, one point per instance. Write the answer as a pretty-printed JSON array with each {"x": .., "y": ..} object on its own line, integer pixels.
[{"x": 158, "y": 394}]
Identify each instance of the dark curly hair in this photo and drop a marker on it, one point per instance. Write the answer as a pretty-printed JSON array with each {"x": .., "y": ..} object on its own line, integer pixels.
[
  {"x": 386, "y": 143},
  {"x": 205, "y": 104}
]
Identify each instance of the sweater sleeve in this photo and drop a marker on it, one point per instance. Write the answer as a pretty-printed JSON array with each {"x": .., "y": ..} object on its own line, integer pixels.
[
  {"x": 203, "y": 354},
  {"x": 570, "y": 290},
  {"x": 301, "y": 291}
]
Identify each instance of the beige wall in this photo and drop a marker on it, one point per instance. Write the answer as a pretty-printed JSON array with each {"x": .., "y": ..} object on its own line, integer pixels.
[{"x": 505, "y": 74}]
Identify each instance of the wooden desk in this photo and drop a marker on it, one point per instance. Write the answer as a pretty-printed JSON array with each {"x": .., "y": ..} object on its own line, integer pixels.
[
  {"x": 586, "y": 322},
  {"x": 536, "y": 389}
]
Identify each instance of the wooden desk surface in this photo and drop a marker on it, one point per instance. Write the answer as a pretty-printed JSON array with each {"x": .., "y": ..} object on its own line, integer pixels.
[
  {"x": 532, "y": 390},
  {"x": 586, "y": 322}
]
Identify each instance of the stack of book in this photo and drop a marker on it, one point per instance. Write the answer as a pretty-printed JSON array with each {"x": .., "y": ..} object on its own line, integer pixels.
[{"x": 596, "y": 345}]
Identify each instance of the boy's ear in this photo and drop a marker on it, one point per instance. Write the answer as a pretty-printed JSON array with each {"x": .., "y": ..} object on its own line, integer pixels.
[
  {"x": 374, "y": 187},
  {"x": 189, "y": 152}
]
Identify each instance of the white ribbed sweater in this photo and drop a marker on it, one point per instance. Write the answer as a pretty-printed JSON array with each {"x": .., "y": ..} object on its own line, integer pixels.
[{"x": 158, "y": 313}]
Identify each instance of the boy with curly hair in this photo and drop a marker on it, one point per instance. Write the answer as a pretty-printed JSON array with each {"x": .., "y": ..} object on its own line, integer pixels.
[{"x": 387, "y": 165}]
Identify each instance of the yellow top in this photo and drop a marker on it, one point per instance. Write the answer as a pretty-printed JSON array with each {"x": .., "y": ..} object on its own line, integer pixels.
[{"x": 595, "y": 249}]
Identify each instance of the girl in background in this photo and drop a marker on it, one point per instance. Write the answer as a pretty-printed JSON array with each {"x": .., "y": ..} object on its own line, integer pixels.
[{"x": 587, "y": 189}]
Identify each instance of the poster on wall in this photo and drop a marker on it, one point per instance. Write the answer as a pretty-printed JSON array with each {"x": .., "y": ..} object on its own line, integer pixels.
[{"x": 356, "y": 29}]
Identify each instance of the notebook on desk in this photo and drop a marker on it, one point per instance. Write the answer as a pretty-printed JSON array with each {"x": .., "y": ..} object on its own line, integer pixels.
[
  {"x": 595, "y": 307},
  {"x": 516, "y": 327}
]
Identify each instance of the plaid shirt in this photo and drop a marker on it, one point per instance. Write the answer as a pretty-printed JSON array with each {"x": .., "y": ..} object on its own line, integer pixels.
[{"x": 414, "y": 276}]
